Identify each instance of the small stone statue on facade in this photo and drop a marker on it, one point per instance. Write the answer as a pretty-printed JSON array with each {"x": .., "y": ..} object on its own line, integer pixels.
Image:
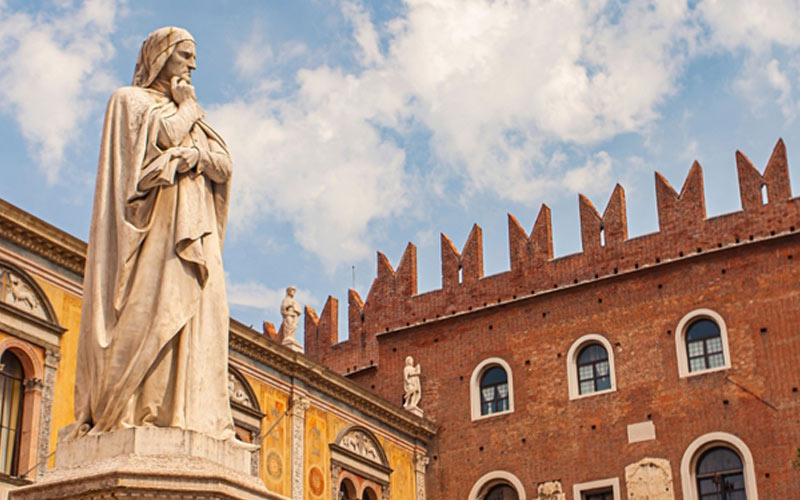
[
  {"x": 291, "y": 311},
  {"x": 412, "y": 386}
]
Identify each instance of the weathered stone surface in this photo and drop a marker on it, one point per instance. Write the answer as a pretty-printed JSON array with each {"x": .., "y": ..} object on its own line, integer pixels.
[
  {"x": 155, "y": 463},
  {"x": 649, "y": 479},
  {"x": 551, "y": 490}
]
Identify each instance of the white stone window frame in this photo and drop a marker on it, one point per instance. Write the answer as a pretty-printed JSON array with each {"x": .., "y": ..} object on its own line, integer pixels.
[
  {"x": 495, "y": 478},
  {"x": 579, "y": 489},
  {"x": 572, "y": 365},
  {"x": 706, "y": 442},
  {"x": 680, "y": 342},
  {"x": 475, "y": 387}
]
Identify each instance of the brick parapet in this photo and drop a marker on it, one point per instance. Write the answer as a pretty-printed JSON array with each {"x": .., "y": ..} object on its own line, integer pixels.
[{"x": 684, "y": 231}]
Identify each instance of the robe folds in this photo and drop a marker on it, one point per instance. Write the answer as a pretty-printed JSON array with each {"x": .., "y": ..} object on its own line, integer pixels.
[{"x": 153, "y": 348}]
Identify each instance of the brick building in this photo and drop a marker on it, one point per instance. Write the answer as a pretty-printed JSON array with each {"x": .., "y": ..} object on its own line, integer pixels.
[{"x": 660, "y": 366}]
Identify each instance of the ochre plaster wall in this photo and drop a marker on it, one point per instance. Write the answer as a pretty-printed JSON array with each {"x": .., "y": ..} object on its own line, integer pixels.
[
  {"x": 67, "y": 307},
  {"x": 275, "y": 466}
]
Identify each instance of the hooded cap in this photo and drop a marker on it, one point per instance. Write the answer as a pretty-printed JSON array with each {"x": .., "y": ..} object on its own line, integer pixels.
[{"x": 154, "y": 53}]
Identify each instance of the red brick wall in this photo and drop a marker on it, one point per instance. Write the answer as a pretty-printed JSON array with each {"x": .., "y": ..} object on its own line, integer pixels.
[{"x": 632, "y": 291}]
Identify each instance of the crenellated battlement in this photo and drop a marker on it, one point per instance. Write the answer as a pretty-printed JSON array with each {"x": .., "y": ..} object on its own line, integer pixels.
[{"x": 393, "y": 302}]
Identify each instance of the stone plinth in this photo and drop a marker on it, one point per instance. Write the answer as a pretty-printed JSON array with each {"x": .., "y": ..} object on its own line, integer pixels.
[{"x": 153, "y": 463}]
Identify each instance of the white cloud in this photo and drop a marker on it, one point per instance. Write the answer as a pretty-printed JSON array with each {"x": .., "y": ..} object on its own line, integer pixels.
[
  {"x": 493, "y": 83},
  {"x": 256, "y": 295},
  {"x": 592, "y": 178},
  {"x": 51, "y": 73}
]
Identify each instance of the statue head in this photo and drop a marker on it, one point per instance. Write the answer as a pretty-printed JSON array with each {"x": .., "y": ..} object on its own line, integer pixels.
[
  {"x": 166, "y": 52},
  {"x": 290, "y": 291},
  {"x": 409, "y": 361}
]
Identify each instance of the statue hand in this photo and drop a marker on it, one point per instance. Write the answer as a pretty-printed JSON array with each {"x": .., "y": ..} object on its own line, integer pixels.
[
  {"x": 188, "y": 158},
  {"x": 181, "y": 91}
]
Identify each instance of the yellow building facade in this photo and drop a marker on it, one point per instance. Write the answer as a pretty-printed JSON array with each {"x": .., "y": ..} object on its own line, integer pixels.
[{"x": 320, "y": 435}]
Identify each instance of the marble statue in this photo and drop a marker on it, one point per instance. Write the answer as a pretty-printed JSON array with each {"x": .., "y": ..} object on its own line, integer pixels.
[
  {"x": 411, "y": 385},
  {"x": 291, "y": 311},
  {"x": 153, "y": 348}
]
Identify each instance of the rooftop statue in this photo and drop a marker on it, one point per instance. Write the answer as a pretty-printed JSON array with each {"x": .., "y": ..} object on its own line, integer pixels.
[{"x": 153, "y": 347}]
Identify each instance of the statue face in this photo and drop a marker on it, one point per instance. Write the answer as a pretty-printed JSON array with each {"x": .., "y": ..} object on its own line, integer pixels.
[{"x": 181, "y": 63}]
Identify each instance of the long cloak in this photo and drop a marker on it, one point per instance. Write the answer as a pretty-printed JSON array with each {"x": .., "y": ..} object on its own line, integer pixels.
[{"x": 154, "y": 327}]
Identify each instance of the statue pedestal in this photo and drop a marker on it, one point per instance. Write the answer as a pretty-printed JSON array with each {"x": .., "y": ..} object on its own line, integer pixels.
[
  {"x": 153, "y": 463},
  {"x": 292, "y": 344}
]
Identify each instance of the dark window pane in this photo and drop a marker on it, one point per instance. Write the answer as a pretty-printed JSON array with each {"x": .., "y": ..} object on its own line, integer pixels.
[
  {"x": 11, "y": 365},
  {"x": 719, "y": 459},
  {"x": 494, "y": 376},
  {"x": 702, "y": 329},
  {"x": 592, "y": 353},
  {"x": 603, "y": 383},
  {"x": 501, "y": 492}
]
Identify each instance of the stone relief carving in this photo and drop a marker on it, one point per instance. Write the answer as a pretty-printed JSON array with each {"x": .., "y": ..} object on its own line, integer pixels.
[
  {"x": 420, "y": 465},
  {"x": 361, "y": 444},
  {"x": 551, "y": 490},
  {"x": 237, "y": 391},
  {"x": 649, "y": 479},
  {"x": 20, "y": 295},
  {"x": 46, "y": 418},
  {"x": 298, "y": 412}
]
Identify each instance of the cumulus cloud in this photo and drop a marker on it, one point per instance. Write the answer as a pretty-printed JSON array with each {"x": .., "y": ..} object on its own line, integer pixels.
[
  {"x": 491, "y": 84},
  {"x": 259, "y": 296},
  {"x": 765, "y": 33},
  {"x": 51, "y": 71}
]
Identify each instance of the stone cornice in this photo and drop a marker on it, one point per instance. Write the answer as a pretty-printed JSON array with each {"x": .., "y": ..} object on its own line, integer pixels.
[
  {"x": 41, "y": 238},
  {"x": 254, "y": 345}
]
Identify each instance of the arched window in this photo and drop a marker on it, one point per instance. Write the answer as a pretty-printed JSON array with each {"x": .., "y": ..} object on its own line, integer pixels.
[
  {"x": 491, "y": 389},
  {"x": 704, "y": 345},
  {"x": 497, "y": 485},
  {"x": 347, "y": 491},
  {"x": 718, "y": 466},
  {"x": 593, "y": 369},
  {"x": 11, "y": 378},
  {"x": 494, "y": 391},
  {"x": 501, "y": 492},
  {"x": 369, "y": 494},
  {"x": 701, "y": 342},
  {"x": 720, "y": 475},
  {"x": 590, "y": 367}
]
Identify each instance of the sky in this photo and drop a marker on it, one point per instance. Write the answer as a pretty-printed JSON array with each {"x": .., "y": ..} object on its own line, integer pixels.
[{"x": 357, "y": 126}]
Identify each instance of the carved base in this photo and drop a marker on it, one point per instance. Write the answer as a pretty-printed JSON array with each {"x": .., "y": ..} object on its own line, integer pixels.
[
  {"x": 153, "y": 463},
  {"x": 416, "y": 410},
  {"x": 292, "y": 344}
]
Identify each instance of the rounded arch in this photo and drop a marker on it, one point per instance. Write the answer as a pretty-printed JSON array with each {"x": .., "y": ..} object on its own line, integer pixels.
[
  {"x": 705, "y": 442},
  {"x": 20, "y": 290},
  {"x": 575, "y": 349},
  {"x": 680, "y": 341},
  {"x": 240, "y": 391},
  {"x": 31, "y": 362},
  {"x": 475, "y": 387},
  {"x": 348, "y": 487},
  {"x": 495, "y": 478},
  {"x": 362, "y": 441},
  {"x": 369, "y": 493}
]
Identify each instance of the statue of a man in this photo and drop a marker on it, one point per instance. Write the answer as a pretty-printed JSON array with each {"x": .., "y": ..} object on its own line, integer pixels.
[
  {"x": 153, "y": 347},
  {"x": 291, "y": 311},
  {"x": 411, "y": 385}
]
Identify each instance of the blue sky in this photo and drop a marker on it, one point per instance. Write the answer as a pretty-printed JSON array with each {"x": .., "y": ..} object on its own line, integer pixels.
[{"x": 360, "y": 126}]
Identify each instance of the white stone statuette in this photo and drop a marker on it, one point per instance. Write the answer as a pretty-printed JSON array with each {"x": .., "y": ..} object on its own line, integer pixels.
[
  {"x": 291, "y": 311},
  {"x": 154, "y": 328},
  {"x": 412, "y": 386}
]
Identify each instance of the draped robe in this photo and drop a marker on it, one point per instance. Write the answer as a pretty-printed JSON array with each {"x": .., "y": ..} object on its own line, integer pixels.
[{"x": 153, "y": 348}]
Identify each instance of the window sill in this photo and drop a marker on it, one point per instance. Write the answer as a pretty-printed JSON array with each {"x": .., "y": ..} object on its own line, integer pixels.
[
  {"x": 476, "y": 418},
  {"x": 703, "y": 372},
  {"x": 589, "y": 395}
]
